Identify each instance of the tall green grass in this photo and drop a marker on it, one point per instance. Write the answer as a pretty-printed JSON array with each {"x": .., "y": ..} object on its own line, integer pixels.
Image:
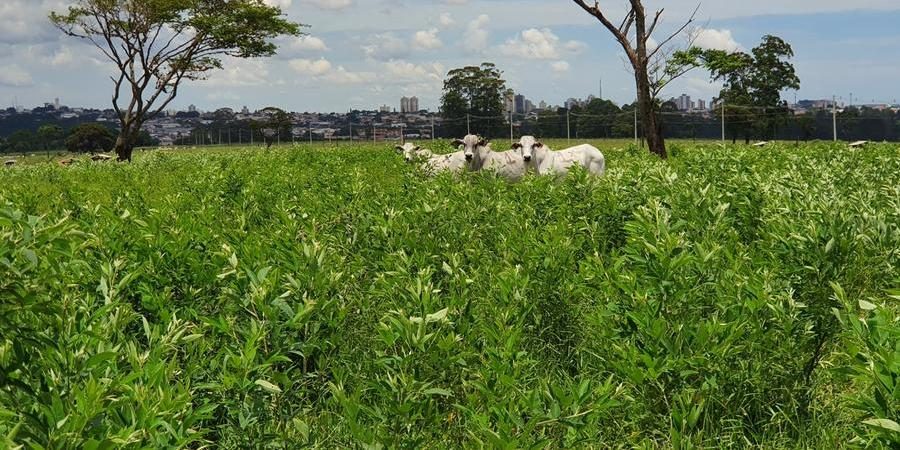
[{"x": 337, "y": 298}]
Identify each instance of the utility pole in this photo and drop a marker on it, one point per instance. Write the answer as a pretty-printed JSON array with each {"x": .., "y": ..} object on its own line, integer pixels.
[
  {"x": 351, "y": 131},
  {"x": 834, "y": 117},
  {"x": 374, "y": 138},
  {"x": 310, "y": 133},
  {"x": 468, "y": 128},
  {"x": 510, "y": 127},
  {"x": 635, "y": 125},
  {"x": 432, "y": 128},
  {"x": 723, "y": 121},
  {"x": 402, "y": 134},
  {"x": 568, "y": 128}
]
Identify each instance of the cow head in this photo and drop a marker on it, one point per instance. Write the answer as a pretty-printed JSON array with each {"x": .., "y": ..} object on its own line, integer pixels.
[
  {"x": 408, "y": 150},
  {"x": 528, "y": 147},
  {"x": 472, "y": 146}
]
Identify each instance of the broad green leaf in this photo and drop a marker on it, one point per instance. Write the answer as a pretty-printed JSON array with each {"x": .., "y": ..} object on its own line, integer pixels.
[
  {"x": 885, "y": 424},
  {"x": 269, "y": 387}
]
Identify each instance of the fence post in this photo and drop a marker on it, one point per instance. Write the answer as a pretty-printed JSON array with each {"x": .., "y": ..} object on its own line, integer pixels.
[
  {"x": 723, "y": 121},
  {"x": 635, "y": 125},
  {"x": 834, "y": 116},
  {"x": 568, "y": 129}
]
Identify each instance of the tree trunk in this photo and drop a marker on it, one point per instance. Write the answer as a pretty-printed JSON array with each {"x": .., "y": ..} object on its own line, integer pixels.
[
  {"x": 124, "y": 146},
  {"x": 652, "y": 130}
]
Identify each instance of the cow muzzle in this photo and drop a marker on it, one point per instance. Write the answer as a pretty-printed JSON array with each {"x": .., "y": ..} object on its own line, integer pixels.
[
  {"x": 469, "y": 157},
  {"x": 527, "y": 158}
]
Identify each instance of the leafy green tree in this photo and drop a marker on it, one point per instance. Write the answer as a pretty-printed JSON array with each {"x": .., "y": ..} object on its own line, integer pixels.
[
  {"x": 597, "y": 118},
  {"x": 51, "y": 136},
  {"x": 477, "y": 92},
  {"x": 276, "y": 127},
  {"x": 22, "y": 141},
  {"x": 89, "y": 138},
  {"x": 753, "y": 84},
  {"x": 157, "y": 44}
]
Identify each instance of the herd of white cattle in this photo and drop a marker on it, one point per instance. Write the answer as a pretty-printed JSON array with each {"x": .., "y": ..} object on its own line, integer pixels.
[{"x": 529, "y": 154}]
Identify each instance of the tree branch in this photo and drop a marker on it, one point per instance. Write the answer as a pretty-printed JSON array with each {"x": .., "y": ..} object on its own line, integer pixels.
[
  {"x": 676, "y": 33},
  {"x": 618, "y": 34}
]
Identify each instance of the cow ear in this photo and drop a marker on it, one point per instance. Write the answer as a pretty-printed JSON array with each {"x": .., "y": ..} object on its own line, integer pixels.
[
  {"x": 539, "y": 144},
  {"x": 516, "y": 146},
  {"x": 398, "y": 148},
  {"x": 457, "y": 142},
  {"x": 417, "y": 148}
]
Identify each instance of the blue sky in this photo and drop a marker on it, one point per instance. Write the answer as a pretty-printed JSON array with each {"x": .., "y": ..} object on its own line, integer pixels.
[{"x": 364, "y": 53}]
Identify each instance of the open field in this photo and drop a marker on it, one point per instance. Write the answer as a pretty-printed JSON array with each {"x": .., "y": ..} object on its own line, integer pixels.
[{"x": 333, "y": 297}]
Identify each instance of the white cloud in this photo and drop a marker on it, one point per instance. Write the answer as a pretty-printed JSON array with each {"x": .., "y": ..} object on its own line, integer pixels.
[
  {"x": 560, "y": 66},
  {"x": 406, "y": 72},
  {"x": 536, "y": 43},
  {"x": 385, "y": 47},
  {"x": 240, "y": 72},
  {"x": 332, "y": 5},
  {"x": 62, "y": 57},
  {"x": 283, "y": 4},
  {"x": 476, "y": 35},
  {"x": 533, "y": 44},
  {"x": 15, "y": 76},
  {"x": 311, "y": 67},
  {"x": 446, "y": 20},
  {"x": 716, "y": 40},
  {"x": 427, "y": 40},
  {"x": 575, "y": 47},
  {"x": 343, "y": 76},
  {"x": 321, "y": 70},
  {"x": 26, "y": 20},
  {"x": 308, "y": 44}
]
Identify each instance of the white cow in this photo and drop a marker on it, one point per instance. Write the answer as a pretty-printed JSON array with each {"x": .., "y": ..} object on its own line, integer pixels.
[
  {"x": 548, "y": 162},
  {"x": 412, "y": 152},
  {"x": 480, "y": 156},
  {"x": 452, "y": 162}
]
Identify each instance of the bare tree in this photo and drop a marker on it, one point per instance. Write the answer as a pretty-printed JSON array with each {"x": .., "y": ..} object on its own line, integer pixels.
[
  {"x": 644, "y": 61},
  {"x": 157, "y": 44}
]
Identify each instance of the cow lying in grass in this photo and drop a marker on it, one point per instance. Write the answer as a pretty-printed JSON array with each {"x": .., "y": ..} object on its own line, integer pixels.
[
  {"x": 480, "y": 156},
  {"x": 548, "y": 162},
  {"x": 412, "y": 152},
  {"x": 433, "y": 164}
]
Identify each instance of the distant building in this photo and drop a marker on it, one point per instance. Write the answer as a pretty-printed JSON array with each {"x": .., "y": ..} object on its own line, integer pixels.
[
  {"x": 404, "y": 105},
  {"x": 683, "y": 102},
  {"x": 542, "y": 105},
  {"x": 701, "y": 104},
  {"x": 192, "y": 108},
  {"x": 529, "y": 106},
  {"x": 413, "y": 104},
  {"x": 519, "y": 104},
  {"x": 384, "y": 109}
]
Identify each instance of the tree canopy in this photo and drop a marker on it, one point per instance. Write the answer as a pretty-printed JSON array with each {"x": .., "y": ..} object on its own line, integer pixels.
[
  {"x": 89, "y": 138},
  {"x": 753, "y": 83},
  {"x": 157, "y": 44},
  {"x": 476, "y": 91}
]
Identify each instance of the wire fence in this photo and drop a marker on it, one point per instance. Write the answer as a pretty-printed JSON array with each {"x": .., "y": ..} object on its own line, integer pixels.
[{"x": 728, "y": 123}]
